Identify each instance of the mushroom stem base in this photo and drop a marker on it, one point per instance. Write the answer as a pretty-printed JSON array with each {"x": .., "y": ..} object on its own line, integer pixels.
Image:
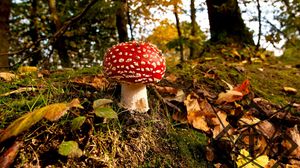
[{"x": 134, "y": 97}]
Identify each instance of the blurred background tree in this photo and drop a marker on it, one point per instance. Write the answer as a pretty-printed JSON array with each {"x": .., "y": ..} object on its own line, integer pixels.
[
  {"x": 52, "y": 34},
  {"x": 4, "y": 33}
]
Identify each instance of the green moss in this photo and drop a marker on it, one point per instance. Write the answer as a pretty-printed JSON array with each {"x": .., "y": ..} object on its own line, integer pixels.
[
  {"x": 190, "y": 145},
  {"x": 269, "y": 83}
]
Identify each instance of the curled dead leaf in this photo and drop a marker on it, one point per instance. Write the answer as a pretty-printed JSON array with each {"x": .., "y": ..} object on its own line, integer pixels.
[{"x": 234, "y": 93}]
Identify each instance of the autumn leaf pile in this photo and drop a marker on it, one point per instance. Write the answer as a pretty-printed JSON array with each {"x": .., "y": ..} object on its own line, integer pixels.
[{"x": 244, "y": 131}]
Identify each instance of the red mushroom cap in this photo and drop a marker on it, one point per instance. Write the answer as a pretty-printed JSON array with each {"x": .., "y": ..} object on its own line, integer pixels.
[{"x": 134, "y": 62}]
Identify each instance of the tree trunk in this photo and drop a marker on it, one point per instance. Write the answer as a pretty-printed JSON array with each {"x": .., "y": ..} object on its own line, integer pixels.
[
  {"x": 121, "y": 20},
  {"x": 60, "y": 44},
  {"x": 5, "y": 6},
  {"x": 36, "y": 55},
  {"x": 193, "y": 28},
  {"x": 259, "y": 24},
  {"x": 179, "y": 33},
  {"x": 130, "y": 23},
  {"x": 226, "y": 23}
]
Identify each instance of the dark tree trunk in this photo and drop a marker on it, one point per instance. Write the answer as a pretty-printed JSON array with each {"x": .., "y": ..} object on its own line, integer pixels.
[
  {"x": 121, "y": 20},
  {"x": 5, "y": 6},
  {"x": 226, "y": 23},
  {"x": 60, "y": 44},
  {"x": 193, "y": 28},
  {"x": 179, "y": 33},
  {"x": 259, "y": 24},
  {"x": 36, "y": 55},
  {"x": 130, "y": 23}
]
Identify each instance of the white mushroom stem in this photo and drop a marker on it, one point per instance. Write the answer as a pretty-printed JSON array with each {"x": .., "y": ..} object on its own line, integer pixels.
[{"x": 134, "y": 97}]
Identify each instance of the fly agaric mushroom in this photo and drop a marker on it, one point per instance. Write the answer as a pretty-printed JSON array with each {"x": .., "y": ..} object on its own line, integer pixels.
[{"x": 134, "y": 64}]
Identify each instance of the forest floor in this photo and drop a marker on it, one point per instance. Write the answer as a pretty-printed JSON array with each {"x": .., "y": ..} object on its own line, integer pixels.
[{"x": 183, "y": 128}]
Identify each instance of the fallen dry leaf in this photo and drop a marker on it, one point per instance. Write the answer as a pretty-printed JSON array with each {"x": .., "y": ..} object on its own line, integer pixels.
[
  {"x": 96, "y": 81},
  {"x": 7, "y": 76},
  {"x": 290, "y": 90},
  {"x": 53, "y": 112},
  {"x": 166, "y": 90},
  {"x": 10, "y": 154},
  {"x": 220, "y": 122},
  {"x": 234, "y": 94},
  {"x": 246, "y": 161},
  {"x": 248, "y": 119},
  {"x": 267, "y": 129},
  {"x": 271, "y": 163},
  {"x": 200, "y": 123},
  {"x": 294, "y": 134},
  {"x": 179, "y": 96},
  {"x": 197, "y": 112},
  {"x": 21, "y": 124}
]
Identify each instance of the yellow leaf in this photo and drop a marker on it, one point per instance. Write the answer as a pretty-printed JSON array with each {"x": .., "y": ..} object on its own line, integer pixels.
[
  {"x": 53, "y": 112},
  {"x": 21, "y": 124},
  {"x": 27, "y": 69},
  {"x": 246, "y": 161}
]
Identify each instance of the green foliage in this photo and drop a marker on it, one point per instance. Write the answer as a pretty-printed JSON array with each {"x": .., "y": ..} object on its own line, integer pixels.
[
  {"x": 77, "y": 122},
  {"x": 70, "y": 149},
  {"x": 187, "y": 40},
  {"x": 106, "y": 112},
  {"x": 291, "y": 54}
]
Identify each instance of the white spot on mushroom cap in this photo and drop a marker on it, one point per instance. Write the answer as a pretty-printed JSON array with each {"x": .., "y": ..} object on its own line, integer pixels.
[{"x": 121, "y": 60}]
